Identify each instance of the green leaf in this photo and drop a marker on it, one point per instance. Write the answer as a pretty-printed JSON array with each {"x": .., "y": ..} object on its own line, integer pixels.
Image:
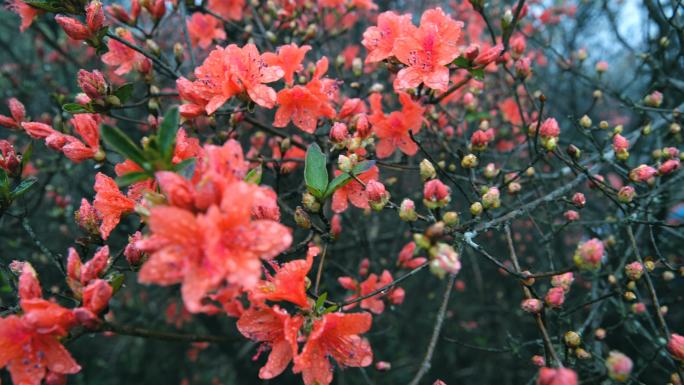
[
  {"x": 132, "y": 177},
  {"x": 186, "y": 168},
  {"x": 330, "y": 309},
  {"x": 124, "y": 92},
  {"x": 254, "y": 175},
  {"x": 23, "y": 187},
  {"x": 320, "y": 302},
  {"x": 342, "y": 179},
  {"x": 462, "y": 62},
  {"x": 75, "y": 108},
  {"x": 49, "y": 6},
  {"x": 362, "y": 167},
  {"x": 4, "y": 185},
  {"x": 337, "y": 183},
  {"x": 122, "y": 144},
  {"x": 116, "y": 280},
  {"x": 315, "y": 171},
  {"x": 478, "y": 73},
  {"x": 167, "y": 133}
]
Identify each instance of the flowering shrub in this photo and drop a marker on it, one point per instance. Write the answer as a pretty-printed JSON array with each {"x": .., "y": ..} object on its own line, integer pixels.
[{"x": 348, "y": 191}]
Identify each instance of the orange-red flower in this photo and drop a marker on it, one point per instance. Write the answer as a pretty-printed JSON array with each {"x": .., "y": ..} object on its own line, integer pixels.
[
  {"x": 122, "y": 56},
  {"x": 427, "y": 50},
  {"x": 277, "y": 330},
  {"x": 110, "y": 203},
  {"x": 228, "y": 9},
  {"x": 289, "y": 57},
  {"x": 208, "y": 238},
  {"x": 353, "y": 191},
  {"x": 229, "y": 72},
  {"x": 379, "y": 41},
  {"x": 29, "y": 344},
  {"x": 393, "y": 130},
  {"x": 334, "y": 335},
  {"x": 304, "y": 105},
  {"x": 375, "y": 304},
  {"x": 203, "y": 29},
  {"x": 288, "y": 283},
  {"x": 87, "y": 126},
  {"x": 26, "y": 12}
]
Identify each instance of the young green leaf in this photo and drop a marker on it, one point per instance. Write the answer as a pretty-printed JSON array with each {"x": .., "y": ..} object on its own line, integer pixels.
[
  {"x": 122, "y": 144},
  {"x": 124, "y": 92},
  {"x": 315, "y": 171},
  {"x": 75, "y": 108},
  {"x": 320, "y": 302},
  {"x": 131, "y": 177},
  {"x": 167, "y": 133},
  {"x": 23, "y": 187},
  {"x": 342, "y": 179},
  {"x": 254, "y": 175}
]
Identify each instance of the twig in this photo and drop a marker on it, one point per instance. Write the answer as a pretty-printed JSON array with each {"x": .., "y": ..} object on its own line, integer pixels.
[{"x": 436, "y": 330}]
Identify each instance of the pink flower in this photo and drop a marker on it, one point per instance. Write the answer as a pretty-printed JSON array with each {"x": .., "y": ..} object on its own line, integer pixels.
[
  {"x": 532, "y": 305},
  {"x": 589, "y": 254},
  {"x": 643, "y": 174},
  {"x": 555, "y": 297},
  {"x": 436, "y": 194},
  {"x": 619, "y": 366},
  {"x": 560, "y": 376},
  {"x": 676, "y": 346},
  {"x": 204, "y": 29}
]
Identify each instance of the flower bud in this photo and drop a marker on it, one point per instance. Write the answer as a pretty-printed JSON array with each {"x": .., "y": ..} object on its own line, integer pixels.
[
  {"x": 626, "y": 194},
  {"x": 634, "y": 271},
  {"x": 579, "y": 200},
  {"x": 564, "y": 281},
  {"x": 345, "y": 164},
  {"x": 310, "y": 203},
  {"x": 93, "y": 83},
  {"x": 476, "y": 209},
  {"x": 601, "y": 67},
  {"x": 490, "y": 171},
  {"x": 73, "y": 28},
  {"x": 538, "y": 360},
  {"x": 572, "y": 339},
  {"x": 444, "y": 260},
  {"x": 301, "y": 218},
  {"x": 654, "y": 99},
  {"x": 619, "y": 366},
  {"x": 435, "y": 194},
  {"x": 491, "y": 199},
  {"x": 532, "y": 305},
  {"x": 589, "y": 254},
  {"x": 676, "y": 346},
  {"x": 450, "y": 218},
  {"x": 383, "y": 366},
  {"x": 339, "y": 132},
  {"x": 469, "y": 161},
  {"x": 574, "y": 152},
  {"x": 585, "y": 121},
  {"x": 94, "y": 16},
  {"x": 571, "y": 215},
  {"x": 377, "y": 195},
  {"x": 427, "y": 170},
  {"x": 582, "y": 354},
  {"x": 555, "y": 297},
  {"x": 407, "y": 211},
  {"x": 559, "y": 376},
  {"x": 643, "y": 173}
]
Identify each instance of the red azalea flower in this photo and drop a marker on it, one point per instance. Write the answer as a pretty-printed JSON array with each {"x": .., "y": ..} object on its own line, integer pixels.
[{"x": 334, "y": 335}]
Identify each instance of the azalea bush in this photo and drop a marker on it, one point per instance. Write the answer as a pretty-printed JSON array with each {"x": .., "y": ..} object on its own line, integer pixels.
[{"x": 341, "y": 191}]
